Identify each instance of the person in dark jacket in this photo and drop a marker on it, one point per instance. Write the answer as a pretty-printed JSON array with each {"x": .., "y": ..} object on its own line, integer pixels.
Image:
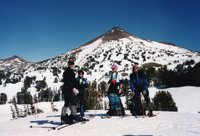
[
  {"x": 82, "y": 84},
  {"x": 70, "y": 93},
  {"x": 138, "y": 85}
]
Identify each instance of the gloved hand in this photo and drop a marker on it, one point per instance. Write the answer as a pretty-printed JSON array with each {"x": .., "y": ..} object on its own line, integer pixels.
[
  {"x": 131, "y": 94},
  {"x": 120, "y": 91},
  {"x": 80, "y": 81},
  {"x": 75, "y": 91}
]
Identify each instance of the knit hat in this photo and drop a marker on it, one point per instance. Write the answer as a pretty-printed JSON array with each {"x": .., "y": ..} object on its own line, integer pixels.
[{"x": 114, "y": 66}]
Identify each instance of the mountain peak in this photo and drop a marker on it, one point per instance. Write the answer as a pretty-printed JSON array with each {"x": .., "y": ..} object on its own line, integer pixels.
[
  {"x": 115, "y": 33},
  {"x": 14, "y": 63},
  {"x": 116, "y": 28},
  {"x": 14, "y": 58}
]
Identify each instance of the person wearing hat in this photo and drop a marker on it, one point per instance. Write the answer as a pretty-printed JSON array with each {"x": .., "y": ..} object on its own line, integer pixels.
[
  {"x": 138, "y": 85},
  {"x": 70, "y": 93},
  {"x": 114, "y": 91}
]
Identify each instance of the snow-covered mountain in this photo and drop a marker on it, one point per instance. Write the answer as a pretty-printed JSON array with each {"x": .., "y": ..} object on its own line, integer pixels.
[
  {"x": 115, "y": 46},
  {"x": 118, "y": 46},
  {"x": 96, "y": 57},
  {"x": 13, "y": 64}
]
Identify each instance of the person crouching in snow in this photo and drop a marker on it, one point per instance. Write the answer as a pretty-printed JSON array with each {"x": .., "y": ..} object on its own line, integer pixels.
[
  {"x": 138, "y": 85},
  {"x": 82, "y": 83},
  {"x": 115, "y": 89}
]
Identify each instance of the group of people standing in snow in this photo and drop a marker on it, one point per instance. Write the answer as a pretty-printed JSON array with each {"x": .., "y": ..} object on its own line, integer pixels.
[
  {"x": 138, "y": 85},
  {"x": 74, "y": 88}
]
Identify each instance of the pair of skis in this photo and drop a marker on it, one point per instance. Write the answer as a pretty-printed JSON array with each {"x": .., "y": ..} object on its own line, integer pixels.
[
  {"x": 61, "y": 126},
  {"x": 136, "y": 116}
]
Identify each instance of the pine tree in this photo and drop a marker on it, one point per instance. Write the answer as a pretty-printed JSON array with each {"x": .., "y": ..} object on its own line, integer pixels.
[
  {"x": 126, "y": 88},
  {"x": 3, "y": 98},
  {"x": 46, "y": 95},
  {"x": 196, "y": 75},
  {"x": 13, "y": 112},
  {"x": 28, "y": 98},
  {"x": 90, "y": 98},
  {"x": 28, "y": 109},
  {"x": 56, "y": 80},
  {"x": 41, "y": 84},
  {"x": 27, "y": 82},
  {"x": 163, "y": 101},
  {"x": 16, "y": 108},
  {"x": 102, "y": 88},
  {"x": 20, "y": 98},
  {"x": 25, "y": 114},
  {"x": 33, "y": 110}
]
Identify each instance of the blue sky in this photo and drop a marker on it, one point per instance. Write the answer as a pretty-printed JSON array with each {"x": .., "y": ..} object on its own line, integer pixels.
[{"x": 40, "y": 29}]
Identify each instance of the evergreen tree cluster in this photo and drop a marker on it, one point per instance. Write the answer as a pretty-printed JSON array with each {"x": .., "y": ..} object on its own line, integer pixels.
[
  {"x": 163, "y": 101},
  {"x": 90, "y": 98},
  {"x": 28, "y": 81},
  {"x": 3, "y": 98},
  {"x": 25, "y": 97},
  {"x": 45, "y": 95},
  {"x": 41, "y": 84},
  {"x": 6, "y": 77},
  {"x": 183, "y": 75},
  {"x": 102, "y": 88},
  {"x": 55, "y": 71},
  {"x": 23, "y": 111},
  {"x": 2, "y": 76}
]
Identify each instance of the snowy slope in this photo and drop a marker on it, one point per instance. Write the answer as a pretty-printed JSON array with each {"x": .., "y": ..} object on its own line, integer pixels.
[
  {"x": 186, "y": 122},
  {"x": 179, "y": 94},
  {"x": 186, "y": 98},
  {"x": 165, "y": 124}
]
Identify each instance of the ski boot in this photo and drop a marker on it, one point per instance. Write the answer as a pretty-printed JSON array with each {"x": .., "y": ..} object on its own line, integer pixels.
[
  {"x": 82, "y": 119},
  {"x": 64, "y": 119},
  {"x": 150, "y": 113}
]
